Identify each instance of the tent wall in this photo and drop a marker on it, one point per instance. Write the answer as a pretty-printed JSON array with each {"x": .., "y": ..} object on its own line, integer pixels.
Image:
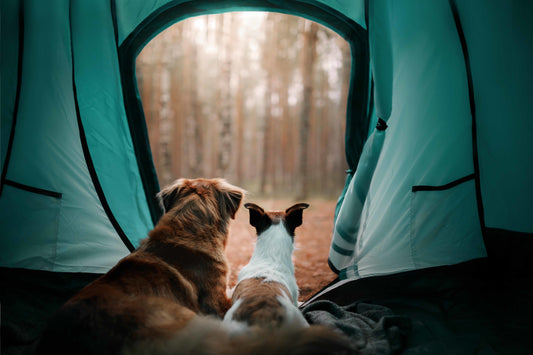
[
  {"x": 103, "y": 116},
  {"x": 71, "y": 196},
  {"x": 78, "y": 184},
  {"x": 456, "y": 103},
  {"x": 501, "y": 89},
  {"x": 501, "y": 65},
  {"x": 444, "y": 183},
  {"x": 9, "y": 47}
]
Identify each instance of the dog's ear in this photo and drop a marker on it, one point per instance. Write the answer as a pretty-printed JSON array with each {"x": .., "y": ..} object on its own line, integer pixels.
[
  {"x": 293, "y": 216},
  {"x": 168, "y": 196},
  {"x": 256, "y": 213},
  {"x": 258, "y": 218},
  {"x": 231, "y": 197}
]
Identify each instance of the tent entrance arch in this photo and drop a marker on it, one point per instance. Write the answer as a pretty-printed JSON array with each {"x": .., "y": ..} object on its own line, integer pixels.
[
  {"x": 358, "y": 96},
  {"x": 256, "y": 97}
]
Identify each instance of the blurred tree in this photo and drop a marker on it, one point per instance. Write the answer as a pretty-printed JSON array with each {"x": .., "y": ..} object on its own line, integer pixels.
[
  {"x": 258, "y": 98},
  {"x": 307, "y": 63}
]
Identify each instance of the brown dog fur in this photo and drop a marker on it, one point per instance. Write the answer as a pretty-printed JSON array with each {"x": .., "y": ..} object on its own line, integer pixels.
[
  {"x": 179, "y": 271},
  {"x": 260, "y": 302}
]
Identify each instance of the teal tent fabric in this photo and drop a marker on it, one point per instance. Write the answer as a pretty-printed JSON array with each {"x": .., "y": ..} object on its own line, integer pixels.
[
  {"x": 103, "y": 116},
  {"x": 452, "y": 96},
  {"x": 435, "y": 217},
  {"x": 78, "y": 184},
  {"x": 430, "y": 146},
  {"x": 9, "y": 58},
  {"x": 348, "y": 220},
  {"x": 449, "y": 182},
  {"x": 501, "y": 75},
  {"x": 55, "y": 212},
  {"x": 67, "y": 229}
]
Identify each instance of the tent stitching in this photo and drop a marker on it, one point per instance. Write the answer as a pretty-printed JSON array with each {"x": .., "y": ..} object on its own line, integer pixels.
[
  {"x": 32, "y": 189},
  {"x": 87, "y": 153},
  {"x": 17, "y": 97},
  {"x": 443, "y": 187},
  {"x": 137, "y": 125},
  {"x": 464, "y": 47}
]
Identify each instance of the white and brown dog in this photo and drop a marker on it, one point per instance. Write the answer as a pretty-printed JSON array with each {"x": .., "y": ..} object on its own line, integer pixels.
[
  {"x": 176, "y": 274},
  {"x": 266, "y": 294}
]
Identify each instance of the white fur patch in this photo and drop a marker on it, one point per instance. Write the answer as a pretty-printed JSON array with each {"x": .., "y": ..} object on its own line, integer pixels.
[
  {"x": 233, "y": 327},
  {"x": 272, "y": 259}
]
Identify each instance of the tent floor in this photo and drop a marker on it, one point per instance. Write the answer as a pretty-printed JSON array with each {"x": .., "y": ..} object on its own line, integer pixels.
[
  {"x": 460, "y": 309},
  {"x": 28, "y": 298}
]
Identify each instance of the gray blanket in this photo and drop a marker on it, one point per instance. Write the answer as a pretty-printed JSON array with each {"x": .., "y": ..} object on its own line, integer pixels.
[{"x": 373, "y": 329}]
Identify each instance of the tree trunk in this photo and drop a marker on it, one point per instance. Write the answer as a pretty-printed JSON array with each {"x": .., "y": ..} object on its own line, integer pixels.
[
  {"x": 224, "y": 88},
  {"x": 239, "y": 135},
  {"x": 307, "y": 63},
  {"x": 268, "y": 66},
  {"x": 193, "y": 131}
]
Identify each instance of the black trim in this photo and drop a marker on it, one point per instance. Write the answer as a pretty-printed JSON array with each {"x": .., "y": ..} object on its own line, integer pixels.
[
  {"x": 113, "y": 6},
  {"x": 87, "y": 153},
  {"x": 356, "y": 35},
  {"x": 471, "y": 96},
  {"x": 367, "y": 12},
  {"x": 357, "y": 118},
  {"x": 137, "y": 124},
  {"x": 449, "y": 185},
  {"x": 17, "y": 97},
  {"x": 370, "y": 101},
  {"x": 332, "y": 267},
  {"x": 35, "y": 190},
  {"x": 381, "y": 125}
]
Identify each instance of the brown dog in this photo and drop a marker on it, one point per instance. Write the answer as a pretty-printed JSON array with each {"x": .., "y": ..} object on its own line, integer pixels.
[{"x": 178, "y": 272}]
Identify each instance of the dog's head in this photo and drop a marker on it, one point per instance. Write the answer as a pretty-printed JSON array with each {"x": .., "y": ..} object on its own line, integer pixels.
[
  {"x": 291, "y": 218},
  {"x": 206, "y": 199}
]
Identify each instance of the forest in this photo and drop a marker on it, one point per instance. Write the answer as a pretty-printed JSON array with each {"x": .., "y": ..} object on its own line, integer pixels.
[{"x": 257, "y": 98}]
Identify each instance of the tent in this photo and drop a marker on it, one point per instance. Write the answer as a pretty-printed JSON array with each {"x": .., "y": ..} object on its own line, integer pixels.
[{"x": 437, "y": 210}]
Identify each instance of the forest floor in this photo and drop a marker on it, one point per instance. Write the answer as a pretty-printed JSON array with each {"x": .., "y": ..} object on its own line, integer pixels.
[{"x": 312, "y": 241}]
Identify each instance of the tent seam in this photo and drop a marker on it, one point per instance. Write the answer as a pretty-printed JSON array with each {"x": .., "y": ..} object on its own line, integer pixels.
[
  {"x": 17, "y": 97},
  {"x": 87, "y": 153},
  {"x": 32, "y": 189},
  {"x": 417, "y": 188},
  {"x": 477, "y": 178}
]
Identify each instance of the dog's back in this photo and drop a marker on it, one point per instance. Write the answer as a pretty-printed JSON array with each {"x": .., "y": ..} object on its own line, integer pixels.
[
  {"x": 266, "y": 293},
  {"x": 179, "y": 271}
]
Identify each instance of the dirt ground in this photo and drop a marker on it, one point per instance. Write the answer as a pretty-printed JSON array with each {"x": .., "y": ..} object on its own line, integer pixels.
[{"x": 312, "y": 243}]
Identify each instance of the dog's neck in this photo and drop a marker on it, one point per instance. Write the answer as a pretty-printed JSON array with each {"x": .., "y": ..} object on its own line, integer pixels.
[
  {"x": 275, "y": 246},
  {"x": 200, "y": 258},
  {"x": 193, "y": 239},
  {"x": 272, "y": 259},
  {"x": 190, "y": 228}
]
